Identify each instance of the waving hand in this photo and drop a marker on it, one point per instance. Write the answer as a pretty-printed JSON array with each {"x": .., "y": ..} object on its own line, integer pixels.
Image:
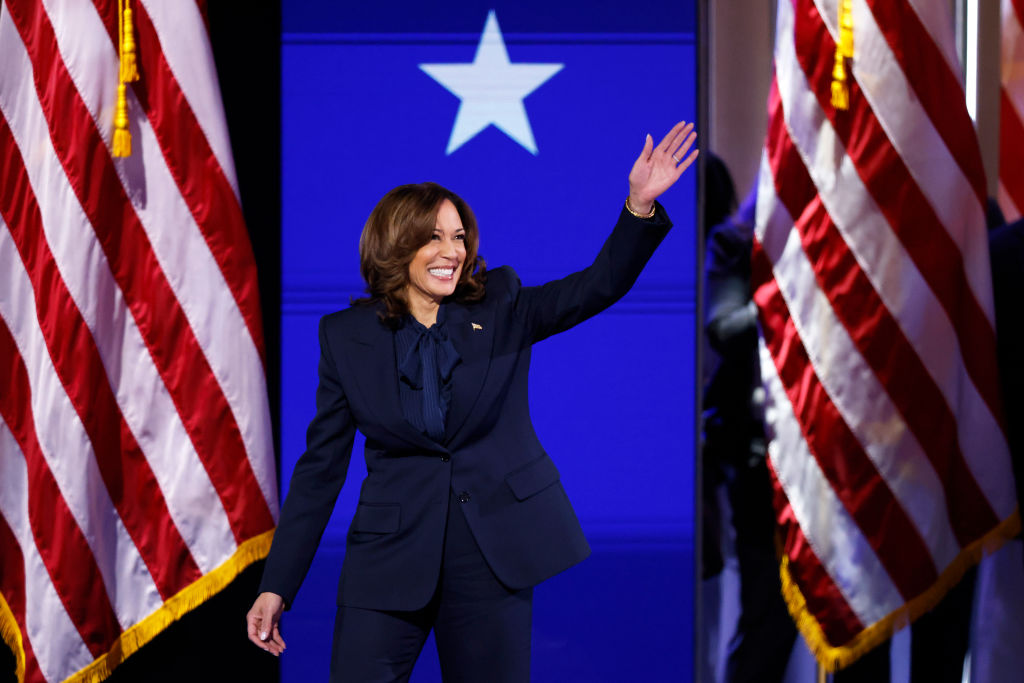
[{"x": 658, "y": 168}]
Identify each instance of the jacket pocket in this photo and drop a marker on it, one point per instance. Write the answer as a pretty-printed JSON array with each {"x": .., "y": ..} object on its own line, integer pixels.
[
  {"x": 377, "y": 518},
  {"x": 532, "y": 478}
]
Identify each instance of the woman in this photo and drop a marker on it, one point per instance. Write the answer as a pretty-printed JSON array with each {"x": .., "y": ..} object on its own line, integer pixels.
[{"x": 461, "y": 512}]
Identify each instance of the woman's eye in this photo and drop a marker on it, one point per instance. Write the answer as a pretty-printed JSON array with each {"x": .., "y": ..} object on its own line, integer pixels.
[
  {"x": 461, "y": 236},
  {"x": 435, "y": 236}
]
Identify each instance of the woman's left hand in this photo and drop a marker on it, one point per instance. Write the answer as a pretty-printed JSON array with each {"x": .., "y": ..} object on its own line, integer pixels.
[{"x": 658, "y": 168}]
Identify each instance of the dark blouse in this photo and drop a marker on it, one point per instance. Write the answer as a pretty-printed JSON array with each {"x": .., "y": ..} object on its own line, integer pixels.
[{"x": 425, "y": 358}]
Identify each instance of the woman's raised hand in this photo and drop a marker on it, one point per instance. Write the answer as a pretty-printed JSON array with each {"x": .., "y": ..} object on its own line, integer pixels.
[
  {"x": 262, "y": 622},
  {"x": 658, "y": 168}
]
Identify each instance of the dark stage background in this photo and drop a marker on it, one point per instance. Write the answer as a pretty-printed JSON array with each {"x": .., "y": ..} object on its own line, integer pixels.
[{"x": 613, "y": 400}]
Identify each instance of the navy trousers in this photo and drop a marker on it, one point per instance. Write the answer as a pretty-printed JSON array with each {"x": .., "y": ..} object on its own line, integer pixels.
[{"x": 482, "y": 628}]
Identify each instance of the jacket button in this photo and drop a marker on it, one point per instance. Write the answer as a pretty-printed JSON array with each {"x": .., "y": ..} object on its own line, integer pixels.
[
  {"x": 464, "y": 497},
  {"x": 445, "y": 457}
]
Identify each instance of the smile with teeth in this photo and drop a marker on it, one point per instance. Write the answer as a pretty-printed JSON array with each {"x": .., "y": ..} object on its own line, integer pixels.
[{"x": 444, "y": 273}]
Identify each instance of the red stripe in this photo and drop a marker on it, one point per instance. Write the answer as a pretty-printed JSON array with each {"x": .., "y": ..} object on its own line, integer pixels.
[
  {"x": 199, "y": 177},
  {"x": 799, "y": 188},
  {"x": 934, "y": 83},
  {"x": 843, "y": 462},
  {"x": 61, "y": 544},
  {"x": 821, "y": 595},
  {"x": 12, "y": 585},
  {"x": 202, "y": 5},
  {"x": 175, "y": 351},
  {"x": 128, "y": 478},
  {"x": 1018, "y": 9},
  {"x": 1011, "y": 150},
  {"x": 908, "y": 212},
  {"x": 877, "y": 334}
]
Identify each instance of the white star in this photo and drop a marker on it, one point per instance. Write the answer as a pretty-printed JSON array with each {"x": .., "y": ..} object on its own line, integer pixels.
[{"x": 491, "y": 89}]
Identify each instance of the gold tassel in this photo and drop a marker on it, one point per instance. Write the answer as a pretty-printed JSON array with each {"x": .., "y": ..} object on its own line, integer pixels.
[
  {"x": 129, "y": 70},
  {"x": 122, "y": 138},
  {"x": 846, "y": 27},
  {"x": 840, "y": 92},
  {"x": 844, "y": 51}
]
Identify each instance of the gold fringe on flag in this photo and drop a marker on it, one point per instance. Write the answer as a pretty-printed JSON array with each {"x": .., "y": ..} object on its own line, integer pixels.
[
  {"x": 250, "y": 551},
  {"x": 127, "y": 72},
  {"x": 844, "y": 51},
  {"x": 833, "y": 658},
  {"x": 129, "y": 642},
  {"x": 11, "y": 634}
]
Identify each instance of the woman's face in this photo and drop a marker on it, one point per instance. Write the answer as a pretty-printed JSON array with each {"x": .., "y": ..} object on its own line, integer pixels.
[{"x": 436, "y": 267}]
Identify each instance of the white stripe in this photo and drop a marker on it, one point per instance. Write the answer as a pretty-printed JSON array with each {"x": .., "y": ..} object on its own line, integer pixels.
[
  {"x": 861, "y": 400},
  {"x": 920, "y": 146},
  {"x": 832, "y": 534},
  {"x": 69, "y": 452},
  {"x": 58, "y": 647},
  {"x": 141, "y": 395},
  {"x": 891, "y": 272},
  {"x": 177, "y": 241},
  {"x": 923, "y": 151},
  {"x": 768, "y": 212},
  {"x": 186, "y": 48}
]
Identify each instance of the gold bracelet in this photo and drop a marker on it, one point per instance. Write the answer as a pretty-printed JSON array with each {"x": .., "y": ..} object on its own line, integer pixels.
[{"x": 639, "y": 215}]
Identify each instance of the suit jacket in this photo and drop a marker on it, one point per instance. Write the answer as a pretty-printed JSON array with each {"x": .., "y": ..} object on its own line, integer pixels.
[{"x": 490, "y": 457}]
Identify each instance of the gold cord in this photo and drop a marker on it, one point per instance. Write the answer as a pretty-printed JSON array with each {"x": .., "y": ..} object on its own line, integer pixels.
[
  {"x": 844, "y": 51},
  {"x": 127, "y": 72}
]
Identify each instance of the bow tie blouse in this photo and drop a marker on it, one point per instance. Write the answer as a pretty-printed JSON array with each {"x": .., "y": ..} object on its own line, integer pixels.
[{"x": 426, "y": 358}]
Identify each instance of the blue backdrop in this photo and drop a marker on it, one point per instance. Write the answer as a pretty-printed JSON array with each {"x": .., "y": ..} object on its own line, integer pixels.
[{"x": 360, "y": 116}]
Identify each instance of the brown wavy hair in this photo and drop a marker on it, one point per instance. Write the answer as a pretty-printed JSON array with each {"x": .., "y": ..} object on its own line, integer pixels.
[{"x": 400, "y": 225}]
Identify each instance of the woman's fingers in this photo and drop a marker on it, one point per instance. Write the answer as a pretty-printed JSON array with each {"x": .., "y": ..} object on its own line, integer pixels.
[
  {"x": 655, "y": 172},
  {"x": 679, "y": 152},
  {"x": 683, "y": 142},
  {"x": 262, "y": 623},
  {"x": 687, "y": 161},
  {"x": 645, "y": 153},
  {"x": 276, "y": 638},
  {"x": 668, "y": 142}
]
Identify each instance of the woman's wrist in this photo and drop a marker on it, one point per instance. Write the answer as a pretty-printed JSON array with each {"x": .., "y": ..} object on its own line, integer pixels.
[{"x": 639, "y": 207}]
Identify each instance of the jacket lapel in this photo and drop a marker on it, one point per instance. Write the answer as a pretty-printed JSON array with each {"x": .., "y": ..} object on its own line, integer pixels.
[
  {"x": 472, "y": 332},
  {"x": 373, "y": 364}
]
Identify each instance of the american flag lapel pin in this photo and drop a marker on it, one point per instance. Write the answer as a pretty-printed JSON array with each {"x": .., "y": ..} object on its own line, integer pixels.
[{"x": 476, "y": 326}]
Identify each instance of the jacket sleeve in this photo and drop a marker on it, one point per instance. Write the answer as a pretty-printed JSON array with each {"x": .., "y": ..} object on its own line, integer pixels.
[
  {"x": 558, "y": 305},
  {"x": 316, "y": 481},
  {"x": 729, "y": 311}
]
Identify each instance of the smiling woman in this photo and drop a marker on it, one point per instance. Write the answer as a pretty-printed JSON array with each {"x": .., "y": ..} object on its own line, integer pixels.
[
  {"x": 462, "y": 512},
  {"x": 418, "y": 246},
  {"x": 435, "y": 269},
  {"x": 612, "y": 400}
]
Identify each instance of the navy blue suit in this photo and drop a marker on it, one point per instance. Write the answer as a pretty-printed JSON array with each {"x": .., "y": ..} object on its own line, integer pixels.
[{"x": 490, "y": 458}]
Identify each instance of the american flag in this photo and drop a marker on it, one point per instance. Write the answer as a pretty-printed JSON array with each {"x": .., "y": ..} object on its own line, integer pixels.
[
  {"x": 136, "y": 464},
  {"x": 871, "y": 275},
  {"x": 1011, "y": 120}
]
